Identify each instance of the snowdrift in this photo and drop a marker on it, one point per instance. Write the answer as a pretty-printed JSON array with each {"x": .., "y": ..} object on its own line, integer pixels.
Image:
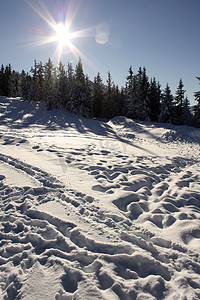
[{"x": 96, "y": 210}]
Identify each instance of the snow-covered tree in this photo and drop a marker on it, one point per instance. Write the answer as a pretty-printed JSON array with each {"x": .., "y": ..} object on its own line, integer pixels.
[
  {"x": 70, "y": 88},
  {"x": 187, "y": 116},
  {"x": 118, "y": 101},
  {"x": 49, "y": 83},
  {"x": 154, "y": 98},
  {"x": 108, "y": 98},
  {"x": 97, "y": 97},
  {"x": 130, "y": 95},
  {"x": 5, "y": 75},
  {"x": 14, "y": 84},
  {"x": 136, "y": 95},
  {"x": 197, "y": 107},
  {"x": 1, "y": 79},
  {"x": 167, "y": 107},
  {"x": 141, "y": 102},
  {"x": 37, "y": 82},
  {"x": 60, "y": 86},
  {"x": 179, "y": 99},
  {"x": 88, "y": 93},
  {"x": 79, "y": 97},
  {"x": 25, "y": 85}
]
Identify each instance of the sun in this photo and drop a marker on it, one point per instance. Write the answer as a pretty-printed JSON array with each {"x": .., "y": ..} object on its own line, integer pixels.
[
  {"x": 59, "y": 33},
  {"x": 63, "y": 35}
]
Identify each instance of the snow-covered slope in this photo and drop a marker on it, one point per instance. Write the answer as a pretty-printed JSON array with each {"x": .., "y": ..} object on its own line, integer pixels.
[{"x": 94, "y": 210}]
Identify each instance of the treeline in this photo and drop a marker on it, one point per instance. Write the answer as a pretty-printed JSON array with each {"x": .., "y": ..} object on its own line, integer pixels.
[{"x": 68, "y": 88}]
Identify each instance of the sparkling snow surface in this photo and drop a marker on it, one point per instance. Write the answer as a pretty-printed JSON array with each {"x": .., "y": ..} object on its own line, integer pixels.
[{"x": 95, "y": 210}]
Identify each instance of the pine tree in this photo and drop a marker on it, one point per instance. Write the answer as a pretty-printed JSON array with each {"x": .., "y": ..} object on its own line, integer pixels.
[
  {"x": 197, "y": 107},
  {"x": 70, "y": 88},
  {"x": 187, "y": 116},
  {"x": 34, "y": 83},
  {"x": 78, "y": 91},
  {"x": 25, "y": 83},
  {"x": 108, "y": 98},
  {"x": 136, "y": 95},
  {"x": 97, "y": 97},
  {"x": 79, "y": 97},
  {"x": 88, "y": 93},
  {"x": 55, "y": 102},
  {"x": 5, "y": 79},
  {"x": 37, "y": 82},
  {"x": 40, "y": 74},
  {"x": 1, "y": 80},
  {"x": 179, "y": 98},
  {"x": 167, "y": 107},
  {"x": 130, "y": 95},
  {"x": 122, "y": 102},
  {"x": 142, "y": 86},
  {"x": 154, "y": 98},
  {"x": 117, "y": 101},
  {"x": 49, "y": 84},
  {"x": 79, "y": 74},
  {"x": 14, "y": 84},
  {"x": 61, "y": 86}
]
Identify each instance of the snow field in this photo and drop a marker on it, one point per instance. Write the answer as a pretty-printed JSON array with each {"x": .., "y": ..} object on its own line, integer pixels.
[{"x": 97, "y": 210}]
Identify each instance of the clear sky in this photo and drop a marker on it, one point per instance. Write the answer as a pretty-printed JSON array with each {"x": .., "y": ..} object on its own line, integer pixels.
[{"x": 162, "y": 35}]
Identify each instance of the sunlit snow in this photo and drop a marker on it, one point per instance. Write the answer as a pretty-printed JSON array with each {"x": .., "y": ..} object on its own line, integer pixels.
[{"x": 97, "y": 210}]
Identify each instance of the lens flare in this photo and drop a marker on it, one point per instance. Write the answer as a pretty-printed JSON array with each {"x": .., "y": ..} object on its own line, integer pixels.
[{"x": 102, "y": 34}]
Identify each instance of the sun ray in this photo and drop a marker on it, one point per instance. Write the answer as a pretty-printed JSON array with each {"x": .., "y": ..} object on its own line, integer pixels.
[
  {"x": 43, "y": 13},
  {"x": 86, "y": 32}
]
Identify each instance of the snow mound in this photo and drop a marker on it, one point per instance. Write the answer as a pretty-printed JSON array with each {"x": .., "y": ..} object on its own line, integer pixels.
[
  {"x": 122, "y": 121},
  {"x": 183, "y": 134}
]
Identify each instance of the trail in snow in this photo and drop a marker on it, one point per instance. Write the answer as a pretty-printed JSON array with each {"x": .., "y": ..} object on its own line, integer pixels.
[{"x": 113, "y": 215}]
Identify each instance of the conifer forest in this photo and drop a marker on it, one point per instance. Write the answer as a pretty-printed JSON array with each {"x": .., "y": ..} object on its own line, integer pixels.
[{"x": 69, "y": 88}]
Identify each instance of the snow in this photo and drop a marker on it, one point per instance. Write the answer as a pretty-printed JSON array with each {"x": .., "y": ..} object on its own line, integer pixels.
[{"x": 96, "y": 210}]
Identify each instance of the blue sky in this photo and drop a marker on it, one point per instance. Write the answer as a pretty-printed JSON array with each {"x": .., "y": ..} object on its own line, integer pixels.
[{"x": 163, "y": 36}]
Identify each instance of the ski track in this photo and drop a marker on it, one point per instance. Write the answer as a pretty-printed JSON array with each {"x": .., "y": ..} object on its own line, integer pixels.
[
  {"x": 130, "y": 254},
  {"x": 54, "y": 231}
]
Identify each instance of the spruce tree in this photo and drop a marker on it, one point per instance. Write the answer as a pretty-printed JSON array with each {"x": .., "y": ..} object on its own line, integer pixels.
[
  {"x": 37, "y": 82},
  {"x": 40, "y": 74},
  {"x": 1, "y": 80},
  {"x": 14, "y": 84},
  {"x": 79, "y": 96},
  {"x": 25, "y": 83},
  {"x": 122, "y": 102},
  {"x": 179, "y": 99},
  {"x": 6, "y": 74},
  {"x": 79, "y": 74},
  {"x": 61, "y": 86},
  {"x": 167, "y": 107},
  {"x": 187, "y": 116},
  {"x": 154, "y": 97},
  {"x": 108, "y": 98},
  {"x": 197, "y": 107},
  {"x": 142, "y": 86},
  {"x": 97, "y": 97},
  {"x": 88, "y": 102},
  {"x": 49, "y": 84},
  {"x": 70, "y": 88},
  {"x": 34, "y": 83},
  {"x": 117, "y": 101},
  {"x": 130, "y": 95}
]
